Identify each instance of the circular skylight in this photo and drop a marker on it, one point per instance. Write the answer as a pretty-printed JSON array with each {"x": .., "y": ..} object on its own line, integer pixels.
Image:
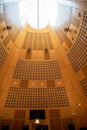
[{"x": 38, "y": 13}]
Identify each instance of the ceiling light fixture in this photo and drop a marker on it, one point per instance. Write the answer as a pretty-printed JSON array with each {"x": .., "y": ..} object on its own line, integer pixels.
[
  {"x": 37, "y": 121},
  {"x": 79, "y": 104},
  {"x": 73, "y": 114}
]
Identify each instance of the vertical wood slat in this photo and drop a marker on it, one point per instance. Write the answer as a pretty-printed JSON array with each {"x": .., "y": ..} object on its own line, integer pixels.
[
  {"x": 30, "y": 43},
  {"x": 28, "y": 54},
  {"x": 54, "y": 114},
  {"x": 5, "y": 122},
  {"x": 24, "y": 83},
  {"x": 50, "y": 44},
  {"x": 51, "y": 83},
  {"x": 55, "y": 124},
  {"x": 85, "y": 70},
  {"x": 26, "y": 41},
  {"x": 40, "y": 42},
  {"x": 18, "y": 124},
  {"x": 66, "y": 122},
  {"x": 46, "y": 54},
  {"x": 35, "y": 43},
  {"x": 19, "y": 114},
  {"x": 45, "y": 41},
  {"x": 84, "y": 86}
]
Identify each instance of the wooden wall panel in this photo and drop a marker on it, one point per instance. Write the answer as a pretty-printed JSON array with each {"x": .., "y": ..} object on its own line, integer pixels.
[
  {"x": 20, "y": 114},
  {"x": 84, "y": 69},
  {"x": 36, "y": 98},
  {"x": 84, "y": 86},
  {"x": 46, "y": 54},
  {"x": 40, "y": 42},
  {"x": 28, "y": 54},
  {"x": 75, "y": 22},
  {"x": 63, "y": 37},
  {"x": 5, "y": 122},
  {"x": 26, "y": 41},
  {"x": 7, "y": 40},
  {"x": 18, "y": 124},
  {"x": 51, "y": 83},
  {"x": 24, "y": 83},
  {"x": 33, "y": 70},
  {"x": 78, "y": 54},
  {"x": 35, "y": 43},
  {"x": 66, "y": 122},
  {"x": 14, "y": 34},
  {"x": 54, "y": 114},
  {"x": 55, "y": 124},
  {"x": 49, "y": 41},
  {"x": 30, "y": 43}
]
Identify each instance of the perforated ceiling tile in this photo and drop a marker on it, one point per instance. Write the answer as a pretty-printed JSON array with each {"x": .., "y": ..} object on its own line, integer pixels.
[
  {"x": 77, "y": 54},
  {"x": 37, "y": 97},
  {"x": 37, "y": 70},
  {"x": 3, "y": 54}
]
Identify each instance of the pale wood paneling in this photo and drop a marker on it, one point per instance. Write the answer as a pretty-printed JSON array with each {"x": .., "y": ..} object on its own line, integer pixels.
[
  {"x": 46, "y": 54},
  {"x": 28, "y": 54},
  {"x": 39, "y": 97}
]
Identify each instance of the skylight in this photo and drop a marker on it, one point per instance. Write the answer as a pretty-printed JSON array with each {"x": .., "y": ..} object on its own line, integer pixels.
[{"x": 38, "y": 13}]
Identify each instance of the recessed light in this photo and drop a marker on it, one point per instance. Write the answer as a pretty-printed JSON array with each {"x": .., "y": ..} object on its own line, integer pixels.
[
  {"x": 37, "y": 121},
  {"x": 42, "y": 84},
  {"x": 15, "y": 82},
  {"x": 33, "y": 84},
  {"x": 73, "y": 114},
  {"x": 79, "y": 104},
  {"x": 59, "y": 82}
]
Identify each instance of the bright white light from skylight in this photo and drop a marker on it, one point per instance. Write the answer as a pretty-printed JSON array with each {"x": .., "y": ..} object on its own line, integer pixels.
[{"x": 38, "y": 13}]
